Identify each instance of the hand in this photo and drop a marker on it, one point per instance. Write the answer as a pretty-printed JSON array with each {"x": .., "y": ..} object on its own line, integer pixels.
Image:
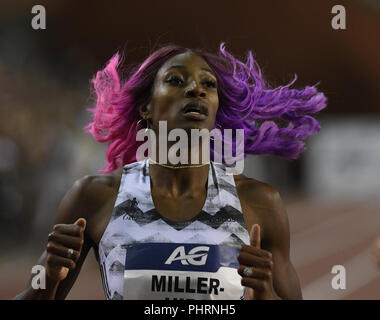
[
  {"x": 259, "y": 286},
  {"x": 60, "y": 240}
]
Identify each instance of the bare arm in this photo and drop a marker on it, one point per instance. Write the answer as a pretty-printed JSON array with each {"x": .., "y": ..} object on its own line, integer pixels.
[
  {"x": 277, "y": 241},
  {"x": 72, "y": 207},
  {"x": 272, "y": 274}
]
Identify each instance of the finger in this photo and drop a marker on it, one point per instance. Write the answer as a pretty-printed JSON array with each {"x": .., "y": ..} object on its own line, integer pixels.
[
  {"x": 255, "y": 236},
  {"x": 81, "y": 222},
  {"x": 255, "y": 251},
  {"x": 248, "y": 259},
  {"x": 255, "y": 284},
  {"x": 258, "y": 273},
  {"x": 57, "y": 261},
  {"x": 65, "y": 240},
  {"x": 69, "y": 229},
  {"x": 59, "y": 250}
]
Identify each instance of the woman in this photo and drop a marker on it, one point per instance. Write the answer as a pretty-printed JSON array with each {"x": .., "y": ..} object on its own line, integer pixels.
[{"x": 182, "y": 231}]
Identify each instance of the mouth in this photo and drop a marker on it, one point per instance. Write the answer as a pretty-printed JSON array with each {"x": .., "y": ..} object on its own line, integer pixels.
[{"x": 195, "y": 110}]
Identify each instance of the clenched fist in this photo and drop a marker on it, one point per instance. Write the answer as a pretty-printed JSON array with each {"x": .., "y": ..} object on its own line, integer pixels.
[
  {"x": 63, "y": 249},
  {"x": 256, "y": 269}
]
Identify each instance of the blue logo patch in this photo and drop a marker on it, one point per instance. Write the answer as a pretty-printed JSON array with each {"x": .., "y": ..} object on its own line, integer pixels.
[{"x": 180, "y": 256}]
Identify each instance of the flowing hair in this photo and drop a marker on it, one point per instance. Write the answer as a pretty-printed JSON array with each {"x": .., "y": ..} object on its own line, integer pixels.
[{"x": 275, "y": 121}]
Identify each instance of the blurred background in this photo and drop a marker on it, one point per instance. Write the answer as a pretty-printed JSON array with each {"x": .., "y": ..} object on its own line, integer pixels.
[{"x": 332, "y": 192}]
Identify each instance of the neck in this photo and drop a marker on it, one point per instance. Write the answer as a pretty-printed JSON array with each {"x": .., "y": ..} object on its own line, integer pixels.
[
  {"x": 183, "y": 178},
  {"x": 180, "y": 181}
]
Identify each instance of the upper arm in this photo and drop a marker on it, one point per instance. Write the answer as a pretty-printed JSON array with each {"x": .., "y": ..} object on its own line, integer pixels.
[
  {"x": 265, "y": 206},
  {"x": 277, "y": 241}
]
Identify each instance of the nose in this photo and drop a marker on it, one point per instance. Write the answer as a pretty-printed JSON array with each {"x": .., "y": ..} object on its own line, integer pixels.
[{"x": 194, "y": 90}]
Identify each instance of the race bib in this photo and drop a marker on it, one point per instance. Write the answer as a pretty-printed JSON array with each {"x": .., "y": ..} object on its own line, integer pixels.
[{"x": 156, "y": 271}]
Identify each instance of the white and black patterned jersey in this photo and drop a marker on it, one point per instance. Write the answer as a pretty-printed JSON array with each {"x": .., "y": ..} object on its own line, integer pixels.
[{"x": 143, "y": 255}]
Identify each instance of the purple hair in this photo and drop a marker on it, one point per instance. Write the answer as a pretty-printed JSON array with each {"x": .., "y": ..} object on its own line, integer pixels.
[{"x": 275, "y": 120}]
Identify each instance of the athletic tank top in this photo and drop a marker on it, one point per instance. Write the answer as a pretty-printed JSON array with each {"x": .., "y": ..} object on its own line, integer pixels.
[{"x": 143, "y": 255}]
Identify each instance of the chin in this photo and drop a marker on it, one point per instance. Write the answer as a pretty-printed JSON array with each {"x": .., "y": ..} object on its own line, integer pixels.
[{"x": 195, "y": 125}]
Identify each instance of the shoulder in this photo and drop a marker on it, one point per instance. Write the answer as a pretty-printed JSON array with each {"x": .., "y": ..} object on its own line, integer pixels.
[
  {"x": 97, "y": 189},
  {"x": 86, "y": 195},
  {"x": 258, "y": 194},
  {"x": 90, "y": 185},
  {"x": 262, "y": 204}
]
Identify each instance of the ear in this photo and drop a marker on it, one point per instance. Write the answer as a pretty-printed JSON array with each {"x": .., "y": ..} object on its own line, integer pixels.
[{"x": 145, "y": 111}]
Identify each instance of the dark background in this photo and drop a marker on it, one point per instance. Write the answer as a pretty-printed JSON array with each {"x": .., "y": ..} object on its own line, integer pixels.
[{"x": 44, "y": 93}]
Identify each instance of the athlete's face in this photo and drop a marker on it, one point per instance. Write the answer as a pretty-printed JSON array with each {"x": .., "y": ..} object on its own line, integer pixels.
[{"x": 184, "y": 78}]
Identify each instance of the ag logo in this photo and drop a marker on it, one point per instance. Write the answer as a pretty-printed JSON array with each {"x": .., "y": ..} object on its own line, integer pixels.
[{"x": 193, "y": 257}]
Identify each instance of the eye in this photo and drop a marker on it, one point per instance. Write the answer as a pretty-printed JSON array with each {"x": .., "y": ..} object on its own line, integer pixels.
[
  {"x": 210, "y": 83},
  {"x": 174, "y": 80}
]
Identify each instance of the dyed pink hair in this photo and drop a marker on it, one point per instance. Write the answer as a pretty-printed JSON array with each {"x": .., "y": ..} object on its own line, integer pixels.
[{"x": 246, "y": 102}]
